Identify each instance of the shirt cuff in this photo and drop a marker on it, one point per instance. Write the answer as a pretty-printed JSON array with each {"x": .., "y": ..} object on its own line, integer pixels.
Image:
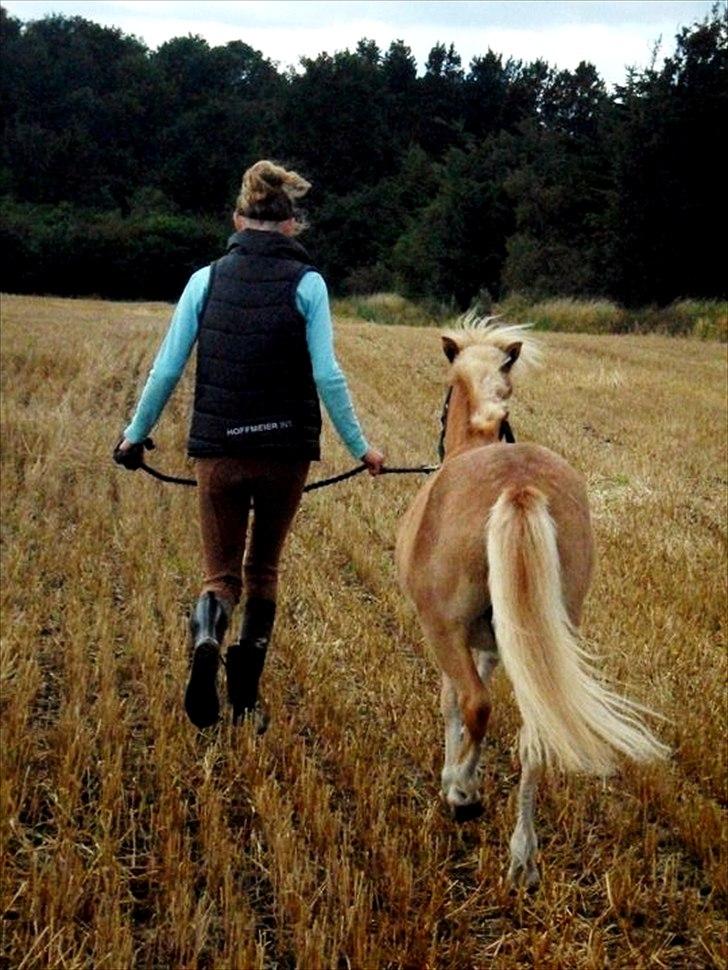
[
  {"x": 357, "y": 447},
  {"x": 134, "y": 435}
]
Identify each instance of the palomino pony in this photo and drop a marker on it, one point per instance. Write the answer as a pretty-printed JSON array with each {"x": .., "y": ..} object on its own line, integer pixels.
[{"x": 496, "y": 553}]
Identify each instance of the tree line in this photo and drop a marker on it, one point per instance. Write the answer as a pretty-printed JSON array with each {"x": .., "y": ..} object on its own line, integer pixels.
[{"x": 120, "y": 165}]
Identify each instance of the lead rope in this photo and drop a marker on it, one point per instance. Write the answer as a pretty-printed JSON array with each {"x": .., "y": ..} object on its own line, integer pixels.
[
  {"x": 312, "y": 486},
  {"x": 505, "y": 434}
]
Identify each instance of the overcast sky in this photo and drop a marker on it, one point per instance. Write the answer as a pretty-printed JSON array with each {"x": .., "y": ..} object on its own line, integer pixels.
[{"x": 612, "y": 34}]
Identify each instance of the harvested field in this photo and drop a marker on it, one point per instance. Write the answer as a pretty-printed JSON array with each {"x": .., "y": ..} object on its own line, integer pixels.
[{"x": 131, "y": 841}]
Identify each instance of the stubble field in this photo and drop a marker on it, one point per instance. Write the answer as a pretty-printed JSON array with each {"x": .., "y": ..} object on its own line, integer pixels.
[{"x": 129, "y": 840}]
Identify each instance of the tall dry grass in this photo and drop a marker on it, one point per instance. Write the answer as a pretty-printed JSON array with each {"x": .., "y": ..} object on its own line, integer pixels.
[
  {"x": 568, "y": 315},
  {"x": 704, "y": 319},
  {"x": 387, "y": 308},
  {"x": 131, "y": 841}
]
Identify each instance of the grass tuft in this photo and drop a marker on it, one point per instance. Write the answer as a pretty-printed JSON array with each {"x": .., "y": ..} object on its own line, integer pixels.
[
  {"x": 387, "y": 308},
  {"x": 704, "y": 319}
]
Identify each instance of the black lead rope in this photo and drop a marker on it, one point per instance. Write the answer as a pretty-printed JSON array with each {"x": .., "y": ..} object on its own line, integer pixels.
[
  {"x": 421, "y": 470},
  {"x": 167, "y": 478},
  {"x": 443, "y": 424},
  {"x": 505, "y": 434},
  {"x": 312, "y": 486}
]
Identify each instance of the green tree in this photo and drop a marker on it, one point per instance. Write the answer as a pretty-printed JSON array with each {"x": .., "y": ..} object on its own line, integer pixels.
[
  {"x": 353, "y": 234},
  {"x": 559, "y": 190},
  {"x": 440, "y": 101},
  {"x": 511, "y": 174},
  {"x": 454, "y": 246},
  {"x": 334, "y": 123},
  {"x": 485, "y": 92},
  {"x": 222, "y": 110},
  {"x": 78, "y": 122},
  {"x": 668, "y": 201}
]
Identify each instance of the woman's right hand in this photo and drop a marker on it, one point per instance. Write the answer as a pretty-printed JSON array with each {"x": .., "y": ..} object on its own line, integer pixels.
[
  {"x": 131, "y": 454},
  {"x": 374, "y": 460}
]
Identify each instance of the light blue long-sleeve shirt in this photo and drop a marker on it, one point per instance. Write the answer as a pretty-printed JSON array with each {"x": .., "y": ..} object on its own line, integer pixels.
[{"x": 312, "y": 301}]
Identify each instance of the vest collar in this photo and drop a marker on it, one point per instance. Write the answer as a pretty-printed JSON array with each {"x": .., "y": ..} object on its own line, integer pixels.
[{"x": 258, "y": 242}]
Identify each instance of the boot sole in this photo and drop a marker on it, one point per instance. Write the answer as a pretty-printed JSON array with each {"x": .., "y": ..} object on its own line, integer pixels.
[{"x": 201, "y": 701}]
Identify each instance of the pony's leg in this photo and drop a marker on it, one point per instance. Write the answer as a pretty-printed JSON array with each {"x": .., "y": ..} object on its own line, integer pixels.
[
  {"x": 453, "y": 723},
  {"x": 465, "y": 708},
  {"x": 486, "y": 662},
  {"x": 483, "y": 645},
  {"x": 524, "y": 844}
]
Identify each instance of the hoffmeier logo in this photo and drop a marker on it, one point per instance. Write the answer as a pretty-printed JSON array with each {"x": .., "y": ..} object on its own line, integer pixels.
[{"x": 263, "y": 426}]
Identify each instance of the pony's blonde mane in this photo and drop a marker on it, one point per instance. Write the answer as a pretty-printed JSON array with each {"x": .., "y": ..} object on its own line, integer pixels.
[{"x": 472, "y": 331}]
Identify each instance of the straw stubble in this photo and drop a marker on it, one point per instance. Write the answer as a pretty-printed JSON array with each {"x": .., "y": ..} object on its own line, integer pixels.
[{"x": 130, "y": 840}]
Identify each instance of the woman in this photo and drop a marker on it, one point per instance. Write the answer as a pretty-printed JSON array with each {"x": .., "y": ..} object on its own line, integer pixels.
[{"x": 260, "y": 316}]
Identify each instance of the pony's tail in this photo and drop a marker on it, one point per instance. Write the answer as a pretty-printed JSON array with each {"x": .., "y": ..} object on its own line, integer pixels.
[{"x": 570, "y": 718}]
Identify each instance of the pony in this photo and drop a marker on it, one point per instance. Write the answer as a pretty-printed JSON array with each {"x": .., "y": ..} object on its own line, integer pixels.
[{"x": 496, "y": 553}]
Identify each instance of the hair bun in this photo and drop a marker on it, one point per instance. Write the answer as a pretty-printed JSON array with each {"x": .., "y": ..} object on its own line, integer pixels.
[
  {"x": 266, "y": 180},
  {"x": 271, "y": 175},
  {"x": 268, "y": 193}
]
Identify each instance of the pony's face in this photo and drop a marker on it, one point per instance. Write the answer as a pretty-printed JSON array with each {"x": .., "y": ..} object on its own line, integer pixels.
[{"x": 483, "y": 369}]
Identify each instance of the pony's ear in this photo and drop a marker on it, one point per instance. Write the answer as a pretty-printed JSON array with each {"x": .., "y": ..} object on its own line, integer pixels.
[
  {"x": 512, "y": 352},
  {"x": 450, "y": 346}
]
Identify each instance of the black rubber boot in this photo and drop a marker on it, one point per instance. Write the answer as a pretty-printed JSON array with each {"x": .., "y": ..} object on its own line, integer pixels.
[
  {"x": 245, "y": 660},
  {"x": 207, "y": 629}
]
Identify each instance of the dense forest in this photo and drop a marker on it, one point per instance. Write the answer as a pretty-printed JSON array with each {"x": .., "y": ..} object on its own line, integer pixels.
[{"x": 120, "y": 165}]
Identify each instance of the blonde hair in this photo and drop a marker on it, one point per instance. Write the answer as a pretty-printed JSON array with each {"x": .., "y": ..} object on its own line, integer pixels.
[{"x": 268, "y": 193}]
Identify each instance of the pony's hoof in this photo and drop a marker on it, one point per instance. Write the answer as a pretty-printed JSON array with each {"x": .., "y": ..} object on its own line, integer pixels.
[
  {"x": 201, "y": 701},
  {"x": 466, "y": 811},
  {"x": 522, "y": 876}
]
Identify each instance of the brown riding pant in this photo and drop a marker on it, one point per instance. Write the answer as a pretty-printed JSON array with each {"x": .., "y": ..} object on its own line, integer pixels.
[{"x": 227, "y": 489}]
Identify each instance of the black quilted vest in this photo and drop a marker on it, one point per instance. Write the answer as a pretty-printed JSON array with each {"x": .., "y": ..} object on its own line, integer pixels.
[{"x": 254, "y": 391}]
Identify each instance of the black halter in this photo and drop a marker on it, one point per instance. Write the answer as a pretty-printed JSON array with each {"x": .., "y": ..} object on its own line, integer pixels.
[{"x": 505, "y": 432}]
